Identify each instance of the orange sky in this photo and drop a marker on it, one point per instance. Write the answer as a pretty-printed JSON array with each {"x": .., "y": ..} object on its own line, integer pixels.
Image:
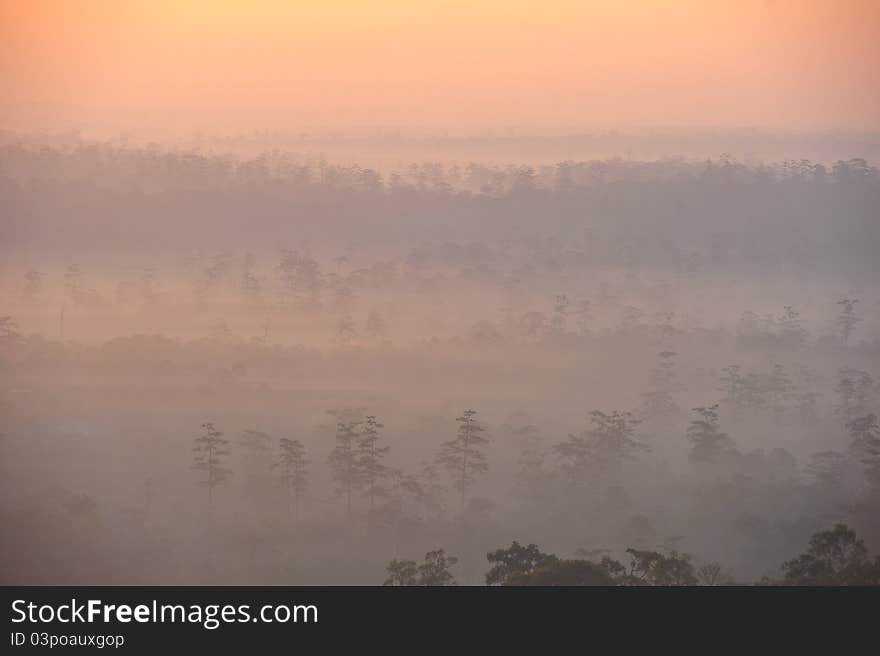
[{"x": 464, "y": 66}]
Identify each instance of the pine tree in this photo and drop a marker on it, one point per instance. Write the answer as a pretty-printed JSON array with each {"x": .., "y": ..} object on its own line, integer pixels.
[
  {"x": 209, "y": 452},
  {"x": 370, "y": 455},
  {"x": 463, "y": 457},
  {"x": 293, "y": 465},
  {"x": 344, "y": 461},
  {"x": 847, "y": 320}
]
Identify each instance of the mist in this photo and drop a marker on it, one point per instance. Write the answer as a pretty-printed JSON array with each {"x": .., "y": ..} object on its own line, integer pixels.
[
  {"x": 670, "y": 355},
  {"x": 421, "y": 294}
]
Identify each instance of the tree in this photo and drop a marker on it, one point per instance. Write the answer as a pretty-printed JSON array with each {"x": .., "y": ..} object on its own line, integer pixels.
[
  {"x": 402, "y": 572},
  {"x": 209, "y": 452},
  {"x": 712, "y": 574},
  {"x": 434, "y": 571},
  {"x": 603, "y": 448},
  {"x": 370, "y": 455},
  {"x": 516, "y": 560},
  {"x": 653, "y": 568},
  {"x": 834, "y": 557},
  {"x": 344, "y": 461},
  {"x": 613, "y": 437},
  {"x": 865, "y": 434},
  {"x": 854, "y": 388},
  {"x": 708, "y": 443},
  {"x": 791, "y": 326},
  {"x": 9, "y": 331},
  {"x": 847, "y": 320},
  {"x": 463, "y": 457},
  {"x": 294, "y": 473}
]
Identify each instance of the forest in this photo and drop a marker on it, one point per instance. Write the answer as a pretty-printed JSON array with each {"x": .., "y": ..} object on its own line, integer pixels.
[{"x": 273, "y": 369}]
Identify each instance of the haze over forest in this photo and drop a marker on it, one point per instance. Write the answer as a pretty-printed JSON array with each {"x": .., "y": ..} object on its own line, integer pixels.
[{"x": 286, "y": 300}]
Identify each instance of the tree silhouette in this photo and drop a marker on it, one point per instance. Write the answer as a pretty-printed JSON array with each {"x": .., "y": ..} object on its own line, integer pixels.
[
  {"x": 402, "y": 573},
  {"x": 293, "y": 465},
  {"x": 854, "y": 388},
  {"x": 834, "y": 557},
  {"x": 865, "y": 434},
  {"x": 791, "y": 326},
  {"x": 434, "y": 571},
  {"x": 712, "y": 574},
  {"x": 463, "y": 457},
  {"x": 516, "y": 560},
  {"x": 9, "y": 331},
  {"x": 847, "y": 320},
  {"x": 344, "y": 461},
  {"x": 600, "y": 450},
  {"x": 209, "y": 453},
  {"x": 613, "y": 437},
  {"x": 708, "y": 443},
  {"x": 653, "y": 568},
  {"x": 369, "y": 457}
]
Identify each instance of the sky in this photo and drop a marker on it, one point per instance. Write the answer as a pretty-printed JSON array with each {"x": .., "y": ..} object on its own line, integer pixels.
[{"x": 456, "y": 66}]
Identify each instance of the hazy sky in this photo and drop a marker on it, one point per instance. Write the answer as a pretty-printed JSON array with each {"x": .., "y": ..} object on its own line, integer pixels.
[{"x": 168, "y": 66}]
